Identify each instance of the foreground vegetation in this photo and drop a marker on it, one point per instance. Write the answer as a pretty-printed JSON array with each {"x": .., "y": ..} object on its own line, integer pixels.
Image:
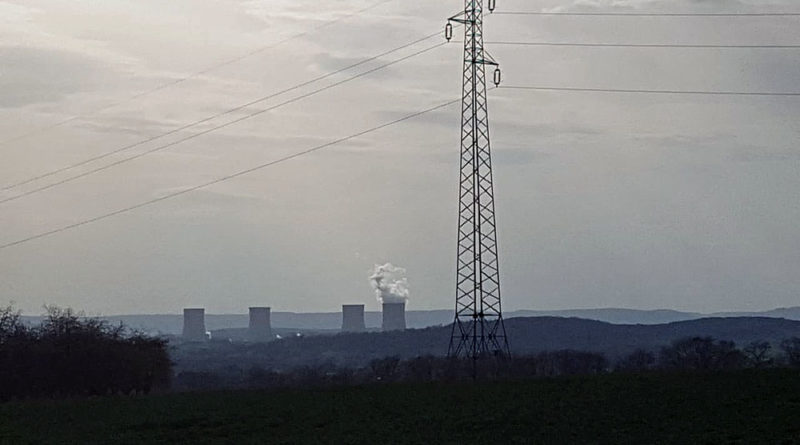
[
  {"x": 73, "y": 356},
  {"x": 528, "y": 336},
  {"x": 749, "y": 406},
  {"x": 87, "y": 375},
  {"x": 693, "y": 354}
]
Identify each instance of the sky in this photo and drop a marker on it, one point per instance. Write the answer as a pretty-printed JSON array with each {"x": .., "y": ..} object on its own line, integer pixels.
[{"x": 603, "y": 200}]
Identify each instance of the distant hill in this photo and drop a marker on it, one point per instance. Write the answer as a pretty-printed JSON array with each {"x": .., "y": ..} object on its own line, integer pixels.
[
  {"x": 789, "y": 313},
  {"x": 530, "y": 335},
  {"x": 526, "y": 335},
  {"x": 617, "y": 316},
  {"x": 172, "y": 324}
]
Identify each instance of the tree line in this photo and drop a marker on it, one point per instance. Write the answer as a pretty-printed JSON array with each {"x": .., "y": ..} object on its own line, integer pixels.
[
  {"x": 72, "y": 356},
  {"x": 68, "y": 355},
  {"x": 709, "y": 354},
  {"x": 694, "y": 354}
]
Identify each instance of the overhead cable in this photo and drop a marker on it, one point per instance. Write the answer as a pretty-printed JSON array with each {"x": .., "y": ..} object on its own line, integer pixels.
[
  {"x": 214, "y": 116},
  {"x": 227, "y": 177},
  {"x": 215, "y": 128},
  {"x": 653, "y": 14},
  {"x": 194, "y": 75},
  {"x": 645, "y": 91},
  {"x": 642, "y": 45}
]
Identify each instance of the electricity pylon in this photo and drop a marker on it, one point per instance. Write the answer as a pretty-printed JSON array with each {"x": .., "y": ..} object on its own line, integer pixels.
[{"x": 478, "y": 329}]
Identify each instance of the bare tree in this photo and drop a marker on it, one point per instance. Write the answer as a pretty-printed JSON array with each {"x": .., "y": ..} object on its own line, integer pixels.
[
  {"x": 791, "y": 350},
  {"x": 701, "y": 354},
  {"x": 9, "y": 322},
  {"x": 385, "y": 369},
  {"x": 758, "y": 354},
  {"x": 70, "y": 355},
  {"x": 421, "y": 369},
  {"x": 637, "y": 361}
]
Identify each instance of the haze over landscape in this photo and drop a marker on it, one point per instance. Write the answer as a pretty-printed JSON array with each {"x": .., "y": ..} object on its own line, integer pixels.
[
  {"x": 603, "y": 200},
  {"x": 285, "y": 221}
]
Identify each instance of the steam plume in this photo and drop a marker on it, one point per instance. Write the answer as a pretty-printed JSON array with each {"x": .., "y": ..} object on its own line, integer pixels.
[{"x": 390, "y": 283}]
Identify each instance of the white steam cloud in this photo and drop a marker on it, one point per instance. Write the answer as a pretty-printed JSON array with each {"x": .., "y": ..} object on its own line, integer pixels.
[{"x": 390, "y": 283}]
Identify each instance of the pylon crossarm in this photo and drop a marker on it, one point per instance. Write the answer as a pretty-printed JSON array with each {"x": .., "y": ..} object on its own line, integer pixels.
[{"x": 485, "y": 61}]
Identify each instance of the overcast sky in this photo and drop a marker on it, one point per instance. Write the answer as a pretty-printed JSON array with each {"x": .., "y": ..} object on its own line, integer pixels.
[{"x": 603, "y": 200}]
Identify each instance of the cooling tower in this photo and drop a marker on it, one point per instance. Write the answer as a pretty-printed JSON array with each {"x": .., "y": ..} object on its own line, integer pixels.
[
  {"x": 194, "y": 324},
  {"x": 353, "y": 318},
  {"x": 394, "y": 316},
  {"x": 260, "y": 326}
]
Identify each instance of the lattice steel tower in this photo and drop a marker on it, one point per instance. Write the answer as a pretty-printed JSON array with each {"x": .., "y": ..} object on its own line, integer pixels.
[{"x": 478, "y": 328}]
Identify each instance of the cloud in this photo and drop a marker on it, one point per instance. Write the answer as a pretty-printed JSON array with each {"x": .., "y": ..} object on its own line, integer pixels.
[
  {"x": 35, "y": 75},
  {"x": 603, "y": 199}
]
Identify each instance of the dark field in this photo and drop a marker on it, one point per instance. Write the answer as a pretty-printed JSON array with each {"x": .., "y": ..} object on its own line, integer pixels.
[{"x": 739, "y": 407}]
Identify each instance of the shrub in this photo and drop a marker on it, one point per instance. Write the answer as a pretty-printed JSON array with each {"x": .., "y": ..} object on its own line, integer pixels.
[
  {"x": 701, "y": 354},
  {"x": 68, "y": 355},
  {"x": 791, "y": 350}
]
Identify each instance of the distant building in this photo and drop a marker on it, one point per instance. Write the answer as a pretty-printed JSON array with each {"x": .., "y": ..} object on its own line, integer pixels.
[
  {"x": 394, "y": 316},
  {"x": 353, "y": 318},
  {"x": 260, "y": 325},
  {"x": 194, "y": 324}
]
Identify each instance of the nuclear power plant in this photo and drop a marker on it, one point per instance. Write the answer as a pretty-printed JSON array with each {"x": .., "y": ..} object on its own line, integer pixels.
[
  {"x": 391, "y": 289},
  {"x": 353, "y": 318},
  {"x": 194, "y": 324},
  {"x": 260, "y": 328},
  {"x": 387, "y": 280},
  {"x": 394, "y": 316}
]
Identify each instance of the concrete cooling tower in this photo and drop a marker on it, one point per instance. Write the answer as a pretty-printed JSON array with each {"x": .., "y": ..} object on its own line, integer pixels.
[
  {"x": 394, "y": 316},
  {"x": 353, "y": 318},
  {"x": 194, "y": 324},
  {"x": 260, "y": 326}
]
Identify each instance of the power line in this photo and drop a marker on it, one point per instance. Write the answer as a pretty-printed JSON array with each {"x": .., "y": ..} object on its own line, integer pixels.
[
  {"x": 212, "y": 117},
  {"x": 195, "y": 74},
  {"x": 230, "y": 176},
  {"x": 653, "y": 14},
  {"x": 218, "y": 127},
  {"x": 642, "y": 45},
  {"x": 637, "y": 91}
]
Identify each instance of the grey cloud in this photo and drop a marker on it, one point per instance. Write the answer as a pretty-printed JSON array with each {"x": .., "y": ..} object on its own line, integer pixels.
[
  {"x": 329, "y": 61},
  {"x": 131, "y": 125},
  {"x": 518, "y": 156},
  {"x": 602, "y": 199},
  {"x": 35, "y": 75}
]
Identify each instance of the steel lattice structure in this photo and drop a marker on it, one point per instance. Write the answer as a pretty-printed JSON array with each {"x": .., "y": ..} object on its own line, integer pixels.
[{"x": 478, "y": 328}]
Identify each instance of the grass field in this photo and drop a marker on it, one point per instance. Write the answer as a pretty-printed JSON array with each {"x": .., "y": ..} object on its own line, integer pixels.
[{"x": 742, "y": 407}]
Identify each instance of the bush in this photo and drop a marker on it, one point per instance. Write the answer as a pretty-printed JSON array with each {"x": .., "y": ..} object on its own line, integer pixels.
[
  {"x": 701, "y": 354},
  {"x": 758, "y": 354},
  {"x": 791, "y": 350},
  {"x": 73, "y": 356},
  {"x": 637, "y": 361}
]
